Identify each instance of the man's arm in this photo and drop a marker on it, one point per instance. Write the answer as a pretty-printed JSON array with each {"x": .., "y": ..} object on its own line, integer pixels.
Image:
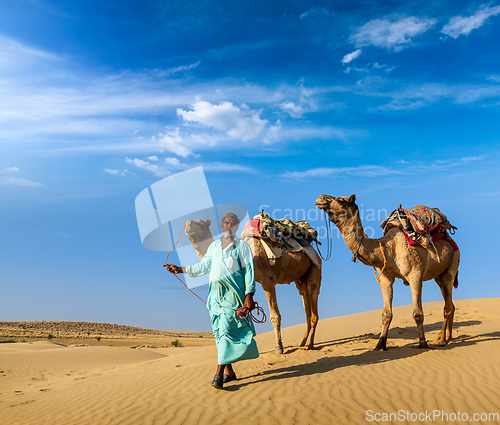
[
  {"x": 248, "y": 274},
  {"x": 203, "y": 267}
]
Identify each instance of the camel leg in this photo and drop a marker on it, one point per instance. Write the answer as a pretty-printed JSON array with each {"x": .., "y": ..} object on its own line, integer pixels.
[
  {"x": 448, "y": 313},
  {"x": 387, "y": 291},
  {"x": 306, "y": 299},
  {"x": 446, "y": 282},
  {"x": 418, "y": 312},
  {"x": 275, "y": 315},
  {"x": 313, "y": 285}
]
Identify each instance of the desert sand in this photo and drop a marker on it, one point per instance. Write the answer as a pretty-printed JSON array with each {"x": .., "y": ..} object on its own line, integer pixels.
[{"x": 341, "y": 382}]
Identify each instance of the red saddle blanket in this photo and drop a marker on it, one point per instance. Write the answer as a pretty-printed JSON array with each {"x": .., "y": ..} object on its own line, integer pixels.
[
  {"x": 253, "y": 227},
  {"x": 436, "y": 235}
]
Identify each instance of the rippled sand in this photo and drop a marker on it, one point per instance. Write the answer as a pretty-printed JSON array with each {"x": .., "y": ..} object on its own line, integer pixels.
[{"x": 342, "y": 382}]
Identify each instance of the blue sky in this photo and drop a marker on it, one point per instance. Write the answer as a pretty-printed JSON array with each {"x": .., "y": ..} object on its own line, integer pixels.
[{"x": 279, "y": 101}]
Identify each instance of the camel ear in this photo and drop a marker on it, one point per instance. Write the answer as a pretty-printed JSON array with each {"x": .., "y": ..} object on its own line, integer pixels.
[
  {"x": 208, "y": 222},
  {"x": 352, "y": 199}
]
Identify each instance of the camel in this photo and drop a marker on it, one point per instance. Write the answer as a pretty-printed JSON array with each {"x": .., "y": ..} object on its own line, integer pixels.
[
  {"x": 290, "y": 267},
  {"x": 395, "y": 258}
]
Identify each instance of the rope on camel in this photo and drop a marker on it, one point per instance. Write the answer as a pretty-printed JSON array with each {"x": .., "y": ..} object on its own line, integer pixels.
[{"x": 385, "y": 263}]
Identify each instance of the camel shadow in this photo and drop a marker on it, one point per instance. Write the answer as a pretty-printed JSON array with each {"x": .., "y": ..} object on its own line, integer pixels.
[
  {"x": 468, "y": 340},
  {"x": 401, "y": 333},
  {"x": 394, "y": 333},
  {"x": 367, "y": 357}
]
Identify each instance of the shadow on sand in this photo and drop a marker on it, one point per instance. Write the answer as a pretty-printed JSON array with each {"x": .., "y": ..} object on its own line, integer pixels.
[{"x": 367, "y": 357}]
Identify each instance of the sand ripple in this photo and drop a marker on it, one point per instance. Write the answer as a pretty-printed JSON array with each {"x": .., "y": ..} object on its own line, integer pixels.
[{"x": 336, "y": 384}]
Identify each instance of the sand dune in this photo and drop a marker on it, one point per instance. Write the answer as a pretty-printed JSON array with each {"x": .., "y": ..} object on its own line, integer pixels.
[{"x": 342, "y": 382}]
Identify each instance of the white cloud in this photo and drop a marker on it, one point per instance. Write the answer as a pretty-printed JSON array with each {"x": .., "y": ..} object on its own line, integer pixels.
[
  {"x": 419, "y": 96},
  {"x": 227, "y": 167},
  {"x": 145, "y": 165},
  {"x": 351, "y": 56},
  {"x": 495, "y": 78},
  {"x": 65, "y": 102},
  {"x": 153, "y": 158},
  {"x": 11, "y": 49},
  {"x": 327, "y": 133},
  {"x": 445, "y": 164},
  {"x": 115, "y": 172},
  {"x": 298, "y": 99},
  {"x": 463, "y": 25},
  {"x": 349, "y": 69},
  {"x": 376, "y": 65},
  {"x": 377, "y": 170},
  {"x": 391, "y": 34},
  {"x": 174, "y": 162},
  {"x": 14, "y": 181},
  {"x": 109, "y": 171},
  {"x": 176, "y": 70},
  {"x": 173, "y": 142},
  {"x": 314, "y": 11},
  {"x": 12, "y": 169},
  {"x": 362, "y": 170},
  {"x": 238, "y": 123},
  {"x": 291, "y": 108}
]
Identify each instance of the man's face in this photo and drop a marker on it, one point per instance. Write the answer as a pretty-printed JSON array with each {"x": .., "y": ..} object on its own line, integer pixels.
[{"x": 229, "y": 225}]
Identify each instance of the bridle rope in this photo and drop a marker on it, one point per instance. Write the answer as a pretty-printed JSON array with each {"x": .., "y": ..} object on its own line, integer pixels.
[{"x": 329, "y": 241}]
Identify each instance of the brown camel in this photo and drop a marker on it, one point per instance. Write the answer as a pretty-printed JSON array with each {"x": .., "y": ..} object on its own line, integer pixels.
[
  {"x": 413, "y": 264},
  {"x": 290, "y": 267}
]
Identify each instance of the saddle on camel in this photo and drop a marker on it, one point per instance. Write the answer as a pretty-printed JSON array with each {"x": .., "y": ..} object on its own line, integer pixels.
[
  {"x": 421, "y": 225},
  {"x": 283, "y": 234}
]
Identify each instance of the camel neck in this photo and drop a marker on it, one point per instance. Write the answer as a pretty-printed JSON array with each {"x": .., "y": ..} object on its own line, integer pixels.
[{"x": 368, "y": 250}]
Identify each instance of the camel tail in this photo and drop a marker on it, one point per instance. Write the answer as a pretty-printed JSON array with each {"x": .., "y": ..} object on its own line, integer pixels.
[{"x": 455, "y": 284}]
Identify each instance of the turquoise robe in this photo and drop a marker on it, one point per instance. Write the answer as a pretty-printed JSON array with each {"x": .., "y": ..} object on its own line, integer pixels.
[{"x": 231, "y": 278}]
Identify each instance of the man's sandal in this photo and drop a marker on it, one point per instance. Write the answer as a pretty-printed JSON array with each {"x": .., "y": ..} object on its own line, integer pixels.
[
  {"x": 218, "y": 382},
  {"x": 228, "y": 378}
]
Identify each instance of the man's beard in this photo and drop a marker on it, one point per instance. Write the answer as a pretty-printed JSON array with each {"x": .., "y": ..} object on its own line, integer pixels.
[{"x": 229, "y": 233}]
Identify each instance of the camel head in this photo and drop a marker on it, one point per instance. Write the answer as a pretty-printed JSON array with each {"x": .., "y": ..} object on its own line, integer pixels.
[
  {"x": 198, "y": 230},
  {"x": 338, "y": 209}
]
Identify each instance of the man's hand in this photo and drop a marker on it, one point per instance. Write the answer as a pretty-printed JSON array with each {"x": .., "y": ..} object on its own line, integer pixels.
[
  {"x": 249, "y": 302},
  {"x": 174, "y": 269}
]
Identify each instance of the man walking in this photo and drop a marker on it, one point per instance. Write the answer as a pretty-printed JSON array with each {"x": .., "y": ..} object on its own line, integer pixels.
[{"x": 229, "y": 260}]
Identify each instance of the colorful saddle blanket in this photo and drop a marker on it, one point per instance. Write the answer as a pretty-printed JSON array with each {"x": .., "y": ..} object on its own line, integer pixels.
[
  {"x": 418, "y": 222},
  {"x": 436, "y": 235},
  {"x": 280, "y": 231}
]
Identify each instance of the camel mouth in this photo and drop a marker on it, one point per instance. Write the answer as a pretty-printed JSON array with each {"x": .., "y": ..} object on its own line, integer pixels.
[{"x": 321, "y": 204}]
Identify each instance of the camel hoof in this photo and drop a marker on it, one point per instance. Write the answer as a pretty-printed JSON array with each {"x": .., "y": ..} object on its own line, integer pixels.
[
  {"x": 278, "y": 350},
  {"x": 423, "y": 344},
  {"x": 381, "y": 346},
  {"x": 441, "y": 342}
]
